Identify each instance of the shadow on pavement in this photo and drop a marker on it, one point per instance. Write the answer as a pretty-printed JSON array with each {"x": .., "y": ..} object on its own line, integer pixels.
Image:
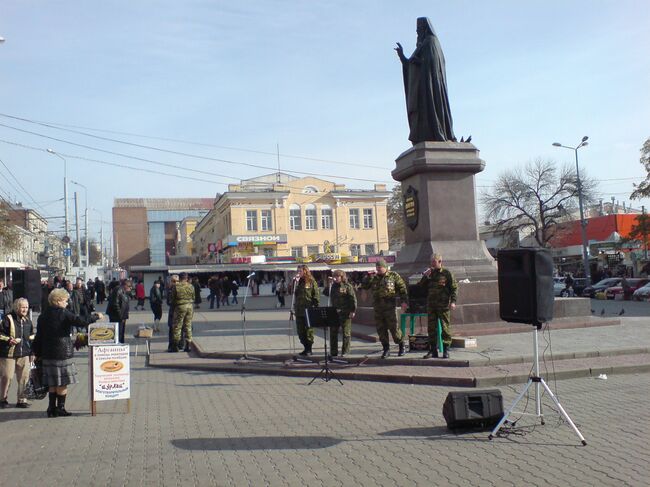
[
  {"x": 424, "y": 432},
  {"x": 258, "y": 443}
]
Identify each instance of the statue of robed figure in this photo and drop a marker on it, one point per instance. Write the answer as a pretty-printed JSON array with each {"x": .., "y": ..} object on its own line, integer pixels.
[{"x": 425, "y": 84}]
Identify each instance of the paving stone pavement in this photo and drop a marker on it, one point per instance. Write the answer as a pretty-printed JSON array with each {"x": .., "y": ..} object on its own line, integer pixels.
[{"x": 204, "y": 428}]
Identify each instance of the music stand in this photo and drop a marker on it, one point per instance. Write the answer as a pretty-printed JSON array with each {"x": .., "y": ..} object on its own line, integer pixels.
[{"x": 323, "y": 317}]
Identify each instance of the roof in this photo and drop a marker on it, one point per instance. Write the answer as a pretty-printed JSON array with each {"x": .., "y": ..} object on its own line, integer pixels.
[
  {"x": 165, "y": 203},
  {"x": 599, "y": 229}
]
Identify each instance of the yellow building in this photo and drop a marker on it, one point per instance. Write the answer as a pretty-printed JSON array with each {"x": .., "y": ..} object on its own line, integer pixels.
[{"x": 279, "y": 215}]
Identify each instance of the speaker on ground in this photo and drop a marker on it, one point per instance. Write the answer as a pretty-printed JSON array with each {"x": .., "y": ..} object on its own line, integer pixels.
[{"x": 475, "y": 409}]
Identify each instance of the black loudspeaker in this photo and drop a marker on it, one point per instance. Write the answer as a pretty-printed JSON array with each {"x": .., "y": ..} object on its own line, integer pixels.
[
  {"x": 27, "y": 284},
  {"x": 417, "y": 299},
  {"x": 473, "y": 409},
  {"x": 525, "y": 286}
]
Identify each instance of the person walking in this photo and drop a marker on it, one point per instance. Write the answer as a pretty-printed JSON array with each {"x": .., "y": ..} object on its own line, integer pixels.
[
  {"x": 234, "y": 290},
  {"x": 387, "y": 286},
  {"x": 197, "y": 292},
  {"x": 140, "y": 295},
  {"x": 281, "y": 292},
  {"x": 100, "y": 291},
  {"x": 225, "y": 291},
  {"x": 183, "y": 299},
  {"x": 6, "y": 299},
  {"x": 306, "y": 296},
  {"x": 118, "y": 306},
  {"x": 213, "y": 285},
  {"x": 16, "y": 335},
  {"x": 155, "y": 301},
  {"x": 173, "y": 280},
  {"x": 344, "y": 299},
  {"x": 54, "y": 348},
  {"x": 441, "y": 299}
]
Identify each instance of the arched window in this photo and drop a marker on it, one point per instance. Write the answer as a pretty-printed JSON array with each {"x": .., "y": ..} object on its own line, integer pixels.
[
  {"x": 310, "y": 189},
  {"x": 310, "y": 217},
  {"x": 295, "y": 222}
]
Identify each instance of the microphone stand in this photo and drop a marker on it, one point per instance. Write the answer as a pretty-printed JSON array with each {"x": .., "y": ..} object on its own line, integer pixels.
[{"x": 246, "y": 357}]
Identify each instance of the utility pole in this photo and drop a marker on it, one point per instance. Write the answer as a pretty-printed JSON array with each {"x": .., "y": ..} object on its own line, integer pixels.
[{"x": 76, "y": 217}]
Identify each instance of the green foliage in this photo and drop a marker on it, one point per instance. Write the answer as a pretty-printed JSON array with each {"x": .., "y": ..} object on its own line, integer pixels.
[
  {"x": 642, "y": 190},
  {"x": 396, "y": 218}
]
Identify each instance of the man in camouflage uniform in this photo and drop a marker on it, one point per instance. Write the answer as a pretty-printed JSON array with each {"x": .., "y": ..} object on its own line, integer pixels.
[
  {"x": 306, "y": 295},
  {"x": 441, "y": 298},
  {"x": 386, "y": 286},
  {"x": 344, "y": 299},
  {"x": 183, "y": 303}
]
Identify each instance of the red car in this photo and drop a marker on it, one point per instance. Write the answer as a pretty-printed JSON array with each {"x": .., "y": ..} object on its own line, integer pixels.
[{"x": 633, "y": 285}]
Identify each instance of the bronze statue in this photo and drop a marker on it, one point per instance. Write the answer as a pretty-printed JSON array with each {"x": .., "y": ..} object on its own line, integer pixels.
[{"x": 425, "y": 84}]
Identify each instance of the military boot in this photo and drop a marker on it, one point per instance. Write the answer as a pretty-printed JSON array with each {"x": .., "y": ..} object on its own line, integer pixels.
[
  {"x": 433, "y": 352},
  {"x": 386, "y": 353},
  {"x": 304, "y": 351},
  {"x": 309, "y": 345},
  {"x": 445, "y": 351},
  {"x": 400, "y": 352}
]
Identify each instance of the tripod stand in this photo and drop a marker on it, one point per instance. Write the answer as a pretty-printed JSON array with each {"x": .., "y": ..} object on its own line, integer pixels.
[
  {"x": 245, "y": 357},
  {"x": 323, "y": 317},
  {"x": 537, "y": 381}
]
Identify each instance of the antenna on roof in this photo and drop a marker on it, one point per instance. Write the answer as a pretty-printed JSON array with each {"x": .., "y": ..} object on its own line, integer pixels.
[{"x": 277, "y": 145}]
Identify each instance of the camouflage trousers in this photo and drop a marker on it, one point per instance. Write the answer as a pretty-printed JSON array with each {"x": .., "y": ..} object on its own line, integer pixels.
[
  {"x": 386, "y": 323},
  {"x": 432, "y": 316},
  {"x": 183, "y": 315},
  {"x": 305, "y": 333},
  {"x": 346, "y": 331}
]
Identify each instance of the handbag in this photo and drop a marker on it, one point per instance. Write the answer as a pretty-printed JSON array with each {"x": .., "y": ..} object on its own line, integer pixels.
[{"x": 35, "y": 389}]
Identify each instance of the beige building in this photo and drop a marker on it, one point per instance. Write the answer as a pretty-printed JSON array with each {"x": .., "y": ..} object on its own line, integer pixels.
[{"x": 279, "y": 215}]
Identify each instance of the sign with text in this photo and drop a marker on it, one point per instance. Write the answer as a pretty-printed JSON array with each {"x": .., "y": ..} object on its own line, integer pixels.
[{"x": 111, "y": 377}]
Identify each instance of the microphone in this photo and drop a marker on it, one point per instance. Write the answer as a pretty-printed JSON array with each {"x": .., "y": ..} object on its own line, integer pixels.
[{"x": 250, "y": 275}]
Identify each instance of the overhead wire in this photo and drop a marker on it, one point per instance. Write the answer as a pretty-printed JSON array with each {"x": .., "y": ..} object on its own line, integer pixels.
[
  {"x": 178, "y": 153},
  {"x": 25, "y": 192}
]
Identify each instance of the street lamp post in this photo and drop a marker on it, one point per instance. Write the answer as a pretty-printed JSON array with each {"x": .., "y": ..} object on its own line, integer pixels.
[
  {"x": 85, "y": 220},
  {"x": 101, "y": 236},
  {"x": 65, "y": 206},
  {"x": 583, "y": 221}
]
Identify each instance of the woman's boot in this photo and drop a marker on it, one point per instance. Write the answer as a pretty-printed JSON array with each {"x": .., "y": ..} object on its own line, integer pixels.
[
  {"x": 52, "y": 412},
  {"x": 60, "y": 406}
]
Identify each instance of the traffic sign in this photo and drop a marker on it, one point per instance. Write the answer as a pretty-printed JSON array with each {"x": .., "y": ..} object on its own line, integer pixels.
[{"x": 67, "y": 252}]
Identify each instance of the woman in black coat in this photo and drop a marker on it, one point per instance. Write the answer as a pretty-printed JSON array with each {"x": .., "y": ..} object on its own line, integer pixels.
[{"x": 54, "y": 347}]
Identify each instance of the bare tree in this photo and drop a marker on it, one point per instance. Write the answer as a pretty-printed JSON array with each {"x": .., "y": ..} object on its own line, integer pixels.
[
  {"x": 642, "y": 190},
  {"x": 535, "y": 198},
  {"x": 396, "y": 218},
  {"x": 9, "y": 237}
]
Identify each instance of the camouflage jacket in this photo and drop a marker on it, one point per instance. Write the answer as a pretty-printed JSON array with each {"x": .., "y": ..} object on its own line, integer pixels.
[
  {"x": 386, "y": 288},
  {"x": 441, "y": 288},
  {"x": 307, "y": 296},
  {"x": 183, "y": 293},
  {"x": 342, "y": 297}
]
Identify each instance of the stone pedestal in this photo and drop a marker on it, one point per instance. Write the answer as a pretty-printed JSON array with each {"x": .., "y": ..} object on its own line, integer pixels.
[{"x": 442, "y": 175}]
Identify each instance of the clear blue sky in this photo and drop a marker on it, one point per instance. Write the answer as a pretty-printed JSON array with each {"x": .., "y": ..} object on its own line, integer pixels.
[{"x": 320, "y": 79}]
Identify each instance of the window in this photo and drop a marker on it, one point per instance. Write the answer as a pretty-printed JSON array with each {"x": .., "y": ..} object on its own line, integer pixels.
[
  {"x": 296, "y": 252},
  {"x": 370, "y": 249},
  {"x": 312, "y": 249},
  {"x": 326, "y": 217},
  {"x": 355, "y": 249},
  {"x": 269, "y": 252},
  {"x": 354, "y": 218},
  {"x": 251, "y": 220},
  {"x": 310, "y": 217},
  {"x": 294, "y": 217},
  {"x": 367, "y": 218},
  {"x": 267, "y": 226}
]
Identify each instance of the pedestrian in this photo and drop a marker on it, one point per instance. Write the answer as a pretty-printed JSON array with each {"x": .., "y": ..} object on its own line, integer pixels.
[
  {"x": 441, "y": 299},
  {"x": 306, "y": 295},
  {"x": 100, "y": 291},
  {"x": 387, "y": 286},
  {"x": 234, "y": 290},
  {"x": 6, "y": 299},
  {"x": 118, "y": 306},
  {"x": 213, "y": 284},
  {"x": 155, "y": 301},
  {"x": 197, "y": 292},
  {"x": 344, "y": 299},
  {"x": 281, "y": 292},
  {"x": 173, "y": 280},
  {"x": 225, "y": 291},
  {"x": 54, "y": 348},
  {"x": 16, "y": 335},
  {"x": 46, "y": 289},
  {"x": 140, "y": 295},
  {"x": 183, "y": 298}
]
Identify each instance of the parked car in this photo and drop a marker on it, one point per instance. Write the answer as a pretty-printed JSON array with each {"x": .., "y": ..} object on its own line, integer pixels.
[
  {"x": 600, "y": 286},
  {"x": 618, "y": 292},
  {"x": 559, "y": 287},
  {"x": 642, "y": 294}
]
